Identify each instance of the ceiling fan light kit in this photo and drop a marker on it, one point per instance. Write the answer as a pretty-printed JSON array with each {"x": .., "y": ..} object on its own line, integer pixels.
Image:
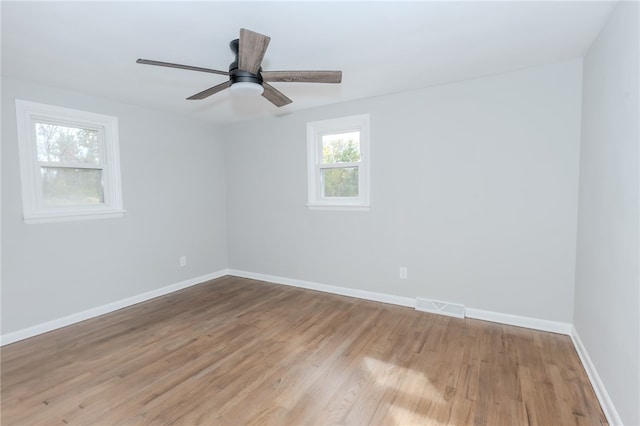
[
  {"x": 246, "y": 77},
  {"x": 246, "y": 88}
]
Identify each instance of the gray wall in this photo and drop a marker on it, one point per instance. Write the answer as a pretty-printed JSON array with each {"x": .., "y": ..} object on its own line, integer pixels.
[
  {"x": 607, "y": 298},
  {"x": 174, "y": 193},
  {"x": 474, "y": 189}
]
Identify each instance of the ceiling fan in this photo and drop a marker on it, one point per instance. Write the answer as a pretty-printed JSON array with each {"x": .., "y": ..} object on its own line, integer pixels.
[{"x": 246, "y": 74}]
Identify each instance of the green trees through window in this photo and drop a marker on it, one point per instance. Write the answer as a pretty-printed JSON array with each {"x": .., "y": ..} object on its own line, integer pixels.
[
  {"x": 57, "y": 143},
  {"x": 338, "y": 163},
  {"x": 69, "y": 163},
  {"x": 341, "y": 154},
  {"x": 70, "y": 170}
]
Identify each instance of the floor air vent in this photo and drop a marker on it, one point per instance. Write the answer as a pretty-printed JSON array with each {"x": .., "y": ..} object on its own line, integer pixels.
[{"x": 442, "y": 308}]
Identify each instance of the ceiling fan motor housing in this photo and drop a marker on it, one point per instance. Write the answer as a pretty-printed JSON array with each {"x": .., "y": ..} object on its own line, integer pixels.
[{"x": 236, "y": 75}]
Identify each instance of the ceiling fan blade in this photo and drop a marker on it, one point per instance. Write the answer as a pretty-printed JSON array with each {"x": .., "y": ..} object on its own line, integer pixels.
[
  {"x": 183, "y": 67},
  {"x": 210, "y": 91},
  {"x": 251, "y": 50},
  {"x": 303, "y": 76},
  {"x": 275, "y": 96}
]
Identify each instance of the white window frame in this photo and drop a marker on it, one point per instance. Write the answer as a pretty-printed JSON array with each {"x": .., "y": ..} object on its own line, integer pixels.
[
  {"x": 315, "y": 131},
  {"x": 27, "y": 114}
]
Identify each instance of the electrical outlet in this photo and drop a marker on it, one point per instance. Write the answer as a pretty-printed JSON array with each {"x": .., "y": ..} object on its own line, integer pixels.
[
  {"x": 403, "y": 272},
  {"x": 183, "y": 260}
]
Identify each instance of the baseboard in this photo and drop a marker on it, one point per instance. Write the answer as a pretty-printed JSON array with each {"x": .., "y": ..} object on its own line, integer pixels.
[
  {"x": 326, "y": 288},
  {"x": 533, "y": 323},
  {"x": 519, "y": 321},
  {"x": 608, "y": 408},
  {"x": 104, "y": 309}
]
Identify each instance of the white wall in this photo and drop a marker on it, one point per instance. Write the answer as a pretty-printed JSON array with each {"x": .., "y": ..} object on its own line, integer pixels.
[
  {"x": 607, "y": 298},
  {"x": 174, "y": 193},
  {"x": 474, "y": 189}
]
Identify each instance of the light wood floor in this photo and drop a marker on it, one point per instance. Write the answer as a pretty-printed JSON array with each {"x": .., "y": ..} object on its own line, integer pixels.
[{"x": 235, "y": 351}]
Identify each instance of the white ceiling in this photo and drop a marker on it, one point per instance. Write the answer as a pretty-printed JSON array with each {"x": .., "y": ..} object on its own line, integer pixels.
[{"x": 381, "y": 47}]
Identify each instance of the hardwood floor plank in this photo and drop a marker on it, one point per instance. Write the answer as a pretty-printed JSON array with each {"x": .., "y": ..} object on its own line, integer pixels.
[{"x": 235, "y": 351}]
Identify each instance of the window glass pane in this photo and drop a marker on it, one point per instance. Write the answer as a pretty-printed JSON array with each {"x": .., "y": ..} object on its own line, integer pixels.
[
  {"x": 67, "y": 186},
  {"x": 58, "y": 143},
  {"x": 341, "y": 148},
  {"x": 340, "y": 182}
]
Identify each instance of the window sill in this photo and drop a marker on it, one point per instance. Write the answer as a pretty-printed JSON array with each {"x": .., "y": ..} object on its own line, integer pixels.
[
  {"x": 340, "y": 207},
  {"x": 68, "y": 216}
]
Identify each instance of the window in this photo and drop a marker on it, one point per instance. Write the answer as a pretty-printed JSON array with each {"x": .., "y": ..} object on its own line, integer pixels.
[
  {"x": 69, "y": 163},
  {"x": 338, "y": 163}
]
